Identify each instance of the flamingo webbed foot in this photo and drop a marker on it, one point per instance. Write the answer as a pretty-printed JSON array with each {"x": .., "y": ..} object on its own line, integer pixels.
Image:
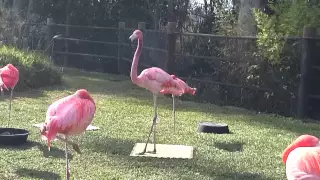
[
  {"x": 151, "y": 152},
  {"x": 142, "y": 153}
]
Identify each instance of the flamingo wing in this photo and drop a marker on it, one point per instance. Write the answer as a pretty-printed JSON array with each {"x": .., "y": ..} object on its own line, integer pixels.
[
  {"x": 57, "y": 106},
  {"x": 156, "y": 74},
  {"x": 9, "y": 72},
  {"x": 9, "y": 76},
  {"x": 304, "y": 164},
  {"x": 155, "y": 79},
  {"x": 73, "y": 115}
]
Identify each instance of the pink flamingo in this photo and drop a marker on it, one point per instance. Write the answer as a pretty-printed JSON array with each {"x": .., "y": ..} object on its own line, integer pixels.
[
  {"x": 153, "y": 79},
  {"x": 9, "y": 77},
  {"x": 70, "y": 115},
  {"x": 302, "y": 158}
]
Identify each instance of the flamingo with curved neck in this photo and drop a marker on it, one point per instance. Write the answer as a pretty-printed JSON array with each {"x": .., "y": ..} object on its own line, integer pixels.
[{"x": 155, "y": 80}]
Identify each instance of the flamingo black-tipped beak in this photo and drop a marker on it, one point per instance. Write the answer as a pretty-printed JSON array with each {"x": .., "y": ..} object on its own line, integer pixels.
[
  {"x": 57, "y": 36},
  {"x": 133, "y": 37}
]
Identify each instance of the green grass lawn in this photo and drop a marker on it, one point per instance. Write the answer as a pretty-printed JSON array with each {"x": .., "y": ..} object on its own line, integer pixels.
[{"x": 124, "y": 114}]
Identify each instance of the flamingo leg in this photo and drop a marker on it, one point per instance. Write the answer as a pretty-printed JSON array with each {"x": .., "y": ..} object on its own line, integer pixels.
[
  {"x": 10, "y": 103},
  {"x": 75, "y": 146},
  {"x": 2, "y": 94},
  {"x": 67, "y": 162},
  {"x": 155, "y": 104},
  {"x": 153, "y": 126},
  {"x": 174, "y": 114}
]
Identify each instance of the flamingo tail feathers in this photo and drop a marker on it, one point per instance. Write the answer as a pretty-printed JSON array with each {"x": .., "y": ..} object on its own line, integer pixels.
[{"x": 192, "y": 91}]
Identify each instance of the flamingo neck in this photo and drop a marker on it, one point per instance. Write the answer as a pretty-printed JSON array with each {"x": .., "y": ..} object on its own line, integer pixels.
[
  {"x": 301, "y": 141},
  {"x": 135, "y": 61}
]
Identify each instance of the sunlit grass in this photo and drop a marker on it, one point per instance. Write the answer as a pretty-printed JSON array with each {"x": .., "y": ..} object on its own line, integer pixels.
[{"x": 124, "y": 114}]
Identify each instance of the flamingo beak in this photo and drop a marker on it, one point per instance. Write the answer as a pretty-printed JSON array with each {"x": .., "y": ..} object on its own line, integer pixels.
[{"x": 133, "y": 37}]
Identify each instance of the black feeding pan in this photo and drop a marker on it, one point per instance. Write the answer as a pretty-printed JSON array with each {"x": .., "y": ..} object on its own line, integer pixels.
[
  {"x": 210, "y": 127},
  {"x": 13, "y": 136}
]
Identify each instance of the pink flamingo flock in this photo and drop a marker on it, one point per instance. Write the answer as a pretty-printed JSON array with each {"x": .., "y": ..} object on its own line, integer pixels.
[
  {"x": 157, "y": 81},
  {"x": 71, "y": 115}
]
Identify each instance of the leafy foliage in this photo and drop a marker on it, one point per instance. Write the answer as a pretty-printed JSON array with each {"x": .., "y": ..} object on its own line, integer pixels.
[
  {"x": 35, "y": 69},
  {"x": 288, "y": 19}
]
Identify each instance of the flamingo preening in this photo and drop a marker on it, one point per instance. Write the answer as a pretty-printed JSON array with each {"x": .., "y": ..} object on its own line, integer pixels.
[
  {"x": 9, "y": 77},
  {"x": 302, "y": 158},
  {"x": 69, "y": 116},
  {"x": 184, "y": 89},
  {"x": 155, "y": 80}
]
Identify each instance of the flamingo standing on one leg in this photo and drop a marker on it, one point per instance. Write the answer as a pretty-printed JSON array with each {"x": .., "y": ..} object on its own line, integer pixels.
[
  {"x": 153, "y": 79},
  {"x": 70, "y": 115},
  {"x": 302, "y": 158},
  {"x": 182, "y": 88},
  {"x": 9, "y": 77}
]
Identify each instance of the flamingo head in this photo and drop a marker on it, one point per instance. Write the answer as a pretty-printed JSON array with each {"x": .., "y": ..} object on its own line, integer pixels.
[
  {"x": 43, "y": 129},
  {"x": 12, "y": 79},
  {"x": 46, "y": 134},
  {"x": 302, "y": 141},
  {"x": 137, "y": 34},
  {"x": 84, "y": 94},
  {"x": 10, "y": 66}
]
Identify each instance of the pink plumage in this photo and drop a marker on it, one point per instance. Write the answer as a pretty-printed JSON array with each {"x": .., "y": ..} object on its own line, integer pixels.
[
  {"x": 70, "y": 115},
  {"x": 155, "y": 80},
  {"x": 9, "y": 76},
  {"x": 302, "y": 158},
  {"x": 180, "y": 88}
]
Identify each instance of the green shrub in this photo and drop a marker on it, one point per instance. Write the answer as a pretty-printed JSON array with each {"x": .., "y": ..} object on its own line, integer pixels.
[
  {"x": 289, "y": 19},
  {"x": 35, "y": 69}
]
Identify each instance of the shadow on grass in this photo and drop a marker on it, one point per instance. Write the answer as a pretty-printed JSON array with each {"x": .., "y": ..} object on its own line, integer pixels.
[
  {"x": 32, "y": 174},
  {"x": 119, "y": 150},
  {"x": 54, "y": 151},
  {"x": 29, "y": 93},
  {"x": 229, "y": 146},
  {"x": 224, "y": 173},
  {"x": 28, "y": 145},
  {"x": 103, "y": 144}
]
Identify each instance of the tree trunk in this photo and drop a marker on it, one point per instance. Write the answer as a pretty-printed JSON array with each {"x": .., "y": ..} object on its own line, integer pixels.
[{"x": 246, "y": 22}]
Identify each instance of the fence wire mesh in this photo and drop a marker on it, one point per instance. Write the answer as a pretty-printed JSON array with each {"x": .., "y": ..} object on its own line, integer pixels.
[{"x": 225, "y": 70}]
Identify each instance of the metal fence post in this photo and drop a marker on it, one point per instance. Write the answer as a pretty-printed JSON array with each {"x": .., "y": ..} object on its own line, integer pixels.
[
  {"x": 122, "y": 25},
  {"x": 49, "y": 34},
  {"x": 171, "y": 47},
  {"x": 307, "y": 46}
]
